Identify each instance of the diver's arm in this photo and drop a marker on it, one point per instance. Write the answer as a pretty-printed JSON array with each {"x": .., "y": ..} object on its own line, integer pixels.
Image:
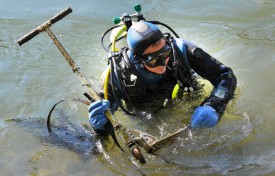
[{"x": 220, "y": 76}]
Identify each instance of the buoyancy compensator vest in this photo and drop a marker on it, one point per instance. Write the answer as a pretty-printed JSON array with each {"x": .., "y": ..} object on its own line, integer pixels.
[{"x": 139, "y": 85}]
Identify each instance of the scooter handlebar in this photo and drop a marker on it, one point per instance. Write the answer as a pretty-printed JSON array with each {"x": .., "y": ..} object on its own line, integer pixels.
[{"x": 48, "y": 23}]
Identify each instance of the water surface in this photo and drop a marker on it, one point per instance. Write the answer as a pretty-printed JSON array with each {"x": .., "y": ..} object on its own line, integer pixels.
[{"x": 239, "y": 33}]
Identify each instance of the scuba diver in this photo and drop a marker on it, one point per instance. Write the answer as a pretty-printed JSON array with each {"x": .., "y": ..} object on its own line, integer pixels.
[{"x": 151, "y": 67}]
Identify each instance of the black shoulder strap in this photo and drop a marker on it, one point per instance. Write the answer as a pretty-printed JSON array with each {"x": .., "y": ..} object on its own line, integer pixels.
[
  {"x": 182, "y": 58},
  {"x": 126, "y": 57},
  {"x": 183, "y": 70}
]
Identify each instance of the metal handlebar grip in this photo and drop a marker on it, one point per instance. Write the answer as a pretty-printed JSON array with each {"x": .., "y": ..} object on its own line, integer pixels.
[
  {"x": 28, "y": 37},
  {"x": 61, "y": 15}
]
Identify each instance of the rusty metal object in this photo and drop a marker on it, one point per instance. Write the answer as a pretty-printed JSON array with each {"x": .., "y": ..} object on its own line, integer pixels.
[{"x": 149, "y": 143}]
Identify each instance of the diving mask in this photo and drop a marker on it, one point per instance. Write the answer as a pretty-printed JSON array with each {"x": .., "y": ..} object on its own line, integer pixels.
[{"x": 157, "y": 58}]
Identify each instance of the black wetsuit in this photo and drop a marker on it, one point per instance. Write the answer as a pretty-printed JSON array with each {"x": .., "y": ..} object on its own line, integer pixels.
[{"x": 142, "y": 94}]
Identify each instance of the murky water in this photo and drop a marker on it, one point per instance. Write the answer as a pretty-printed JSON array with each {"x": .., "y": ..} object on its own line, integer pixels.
[{"x": 34, "y": 77}]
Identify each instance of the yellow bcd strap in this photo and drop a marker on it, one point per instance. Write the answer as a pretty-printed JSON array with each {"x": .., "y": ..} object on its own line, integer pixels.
[
  {"x": 113, "y": 49},
  {"x": 175, "y": 91},
  {"x": 106, "y": 81}
]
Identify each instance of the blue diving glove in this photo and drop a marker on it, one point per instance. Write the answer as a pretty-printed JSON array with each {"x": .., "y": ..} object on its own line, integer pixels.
[
  {"x": 204, "y": 117},
  {"x": 97, "y": 117}
]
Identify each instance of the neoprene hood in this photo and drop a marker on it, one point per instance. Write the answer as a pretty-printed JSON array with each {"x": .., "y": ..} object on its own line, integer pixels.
[{"x": 141, "y": 35}]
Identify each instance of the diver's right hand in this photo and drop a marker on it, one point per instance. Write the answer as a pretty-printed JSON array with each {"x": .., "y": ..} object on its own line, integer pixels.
[
  {"x": 204, "y": 117},
  {"x": 97, "y": 117}
]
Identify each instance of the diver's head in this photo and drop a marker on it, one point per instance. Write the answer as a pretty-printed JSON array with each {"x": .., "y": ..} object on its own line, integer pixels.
[{"x": 146, "y": 41}]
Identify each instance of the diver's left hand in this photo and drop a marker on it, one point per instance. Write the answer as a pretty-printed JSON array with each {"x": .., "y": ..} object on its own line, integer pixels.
[{"x": 204, "y": 117}]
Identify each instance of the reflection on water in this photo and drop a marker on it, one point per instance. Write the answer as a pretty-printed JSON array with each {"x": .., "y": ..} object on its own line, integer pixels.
[{"x": 35, "y": 76}]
